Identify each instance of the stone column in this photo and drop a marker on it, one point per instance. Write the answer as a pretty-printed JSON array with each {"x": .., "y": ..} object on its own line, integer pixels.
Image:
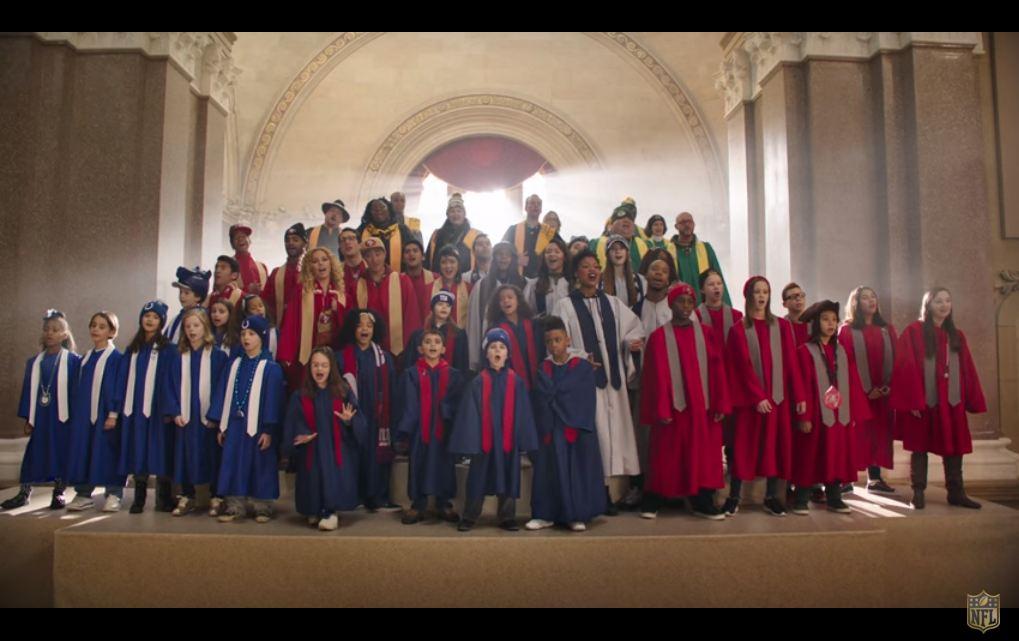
[{"x": 113, "y": 172}]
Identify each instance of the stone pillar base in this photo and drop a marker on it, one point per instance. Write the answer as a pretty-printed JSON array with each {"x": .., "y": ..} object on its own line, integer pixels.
[
  {"x": 990, "y": 461},
  {"x": 12, "y": 450}
]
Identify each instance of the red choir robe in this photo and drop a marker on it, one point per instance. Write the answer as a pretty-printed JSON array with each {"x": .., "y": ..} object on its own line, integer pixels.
[
  {"x": 942, "y": 427},
  {"x": 801, "y": 331},
  {"x": 313, "y": 319},
  {"x": 874, "y": 435},
  {"x": 280, "y": 287},
  {"x": 715, "y": 319},
  {"x": 685, "y": 453},
  {"x": 762, "y": 443},
  {"x": 252, "y": 271},
  {"x": 462, "y": 292},
  {"x": 829, "y": 452},
  {"x": 394, "y": 299},
  {"x": 423, "y": 291},
  {"x": 230, "y": 293}
]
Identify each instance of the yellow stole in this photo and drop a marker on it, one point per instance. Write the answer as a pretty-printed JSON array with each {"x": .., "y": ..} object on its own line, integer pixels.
[
  {"x": 308, "y": 318},
  {"x": 462, "y": 295},
  {"x": 702, "y": 258},
  {"x": 545, "y": 236},
  {"x": 395, "y": 307},
  {"x": 468, "y": 240}
]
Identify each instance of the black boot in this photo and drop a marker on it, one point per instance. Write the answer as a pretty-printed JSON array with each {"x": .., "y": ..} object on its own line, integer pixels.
[
  {"x": 610, "y": 508},
  {"x": 164, "y": 495},
  {"x": 953, "y": 481},
  {"x": 833, "y": 494},
  {"x": 58, "y": 503},
  {"x": 141, "y": 489},
  {"x": 20, "y": 500},
  {"x": 918, "y": 478}
]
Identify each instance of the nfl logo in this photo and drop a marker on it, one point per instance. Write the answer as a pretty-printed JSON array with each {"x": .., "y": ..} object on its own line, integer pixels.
[{"x": 982, "y": 611}]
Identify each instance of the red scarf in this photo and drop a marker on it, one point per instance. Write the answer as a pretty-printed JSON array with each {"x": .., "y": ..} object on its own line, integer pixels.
[
  {"x": 308, "y": 404},
  {"x": 570, "y": 432},
  {"x": 527, "y": 368},
  {"x": 508, "y": 409},
  {"x": 424, "y": 375}
]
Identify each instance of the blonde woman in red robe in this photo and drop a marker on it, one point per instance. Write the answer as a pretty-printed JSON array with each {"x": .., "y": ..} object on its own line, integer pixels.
[
  {"x": 934, "y": 385},
  {"x": 314, "y": 315},
  {"x": 870, "y": 341}
]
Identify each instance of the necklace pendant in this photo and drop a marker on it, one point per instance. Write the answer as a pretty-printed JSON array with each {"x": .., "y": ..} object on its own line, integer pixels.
[
  {"x": 44, "y": 398},
  {"x": 239, "y": 414}
]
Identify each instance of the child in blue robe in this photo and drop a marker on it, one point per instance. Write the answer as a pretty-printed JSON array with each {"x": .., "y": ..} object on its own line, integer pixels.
[
  {"x": 95, "y": 434},
  {"x": 248, "y": 408},
  {"x": 49, "y": 386},
  {"x": 323, "y": 429},
  {"x": 494, "y": 424}
]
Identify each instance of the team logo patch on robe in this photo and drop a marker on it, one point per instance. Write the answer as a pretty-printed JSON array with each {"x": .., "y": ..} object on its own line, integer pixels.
[{"x": 982, "y": 611}]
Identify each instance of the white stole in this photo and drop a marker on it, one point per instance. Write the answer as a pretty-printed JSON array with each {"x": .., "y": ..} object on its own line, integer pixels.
[
  {"x": 61, "y": 366},
  {"x": 204, "y": 386},
  {"x": 150, "y": 384},
  {"x": 97, "y": 378},
  {"x": 256, "y": 393}
]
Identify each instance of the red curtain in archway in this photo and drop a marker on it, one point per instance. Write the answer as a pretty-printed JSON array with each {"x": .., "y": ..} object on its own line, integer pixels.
[{"x": 484, "y": 163}]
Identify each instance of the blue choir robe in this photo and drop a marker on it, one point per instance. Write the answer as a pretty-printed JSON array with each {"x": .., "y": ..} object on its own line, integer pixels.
[
  {"x": 568, "y": 482},
  {"x": 194, "y": 459},
  {"x": 496, "y": 471},
  {"x": 324, "y": 486},
  {"x": 246, "y": 470},
  {"x": 373, "y": 383},
  {"x": 231, "y": 352},
  {"x": 95, "y": 451},
  {"x": 47, "y": 452},
  {"x": 146, "y": 442},
  {"x": 457, "y": 350},
  {"x": 432, "y": 468}
]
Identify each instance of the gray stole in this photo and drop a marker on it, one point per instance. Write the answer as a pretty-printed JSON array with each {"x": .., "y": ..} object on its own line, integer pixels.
[
  {"x": 676, "y": 370},
  {"x": 863, "y": 362},
  {"x": 726, "y": 319},
  {"x": 777, "y": 371},
  {"x": 930, "y": 381},
  {"x": 821, "y": 374}
]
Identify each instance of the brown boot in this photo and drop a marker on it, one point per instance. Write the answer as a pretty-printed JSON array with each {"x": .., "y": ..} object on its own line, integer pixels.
[
  {"x": 918, "y": 478},
  {"x": 953, "y": 482}
]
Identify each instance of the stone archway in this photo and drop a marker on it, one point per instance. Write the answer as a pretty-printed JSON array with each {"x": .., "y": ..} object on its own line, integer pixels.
[{"x": 439, "y": 123}]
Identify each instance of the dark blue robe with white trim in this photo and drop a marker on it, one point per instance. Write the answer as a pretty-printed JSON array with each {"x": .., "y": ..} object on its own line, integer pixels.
[
  {"x": 95, "y": 451},
  {"x": 247, "y": 470},
  {"x": 326, "y": 487},
  {"x": 146, "y": 444},
  {"x": 497, "y": 471},
  {"x": 432, "y": 468},
  {"x": 194, "y": 460},
  {"x": 47, "y": 452},
  {"x": 374, "y": 475},
  {"x": 568, "y": 477}
]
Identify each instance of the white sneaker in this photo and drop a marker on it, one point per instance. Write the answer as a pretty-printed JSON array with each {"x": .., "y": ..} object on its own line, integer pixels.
[
  {"x": 112, "y": 504},
  {"x": 330, "y": 523},
  {"x": 649, "y": 515},
  {"x": 577, "y": 526},
  {"x": 538, "y": 524},
  {"x": 80, "y": 503}
]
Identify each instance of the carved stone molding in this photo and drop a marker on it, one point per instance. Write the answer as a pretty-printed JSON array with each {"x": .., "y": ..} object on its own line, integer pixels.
[
  {"x": 751, "y": 56},
  {"x": 345, "y": 43},
  {"x": 204, "y": 57}
]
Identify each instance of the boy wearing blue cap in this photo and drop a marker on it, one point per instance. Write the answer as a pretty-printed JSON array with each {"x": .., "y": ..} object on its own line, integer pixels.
[
  {"x": 194, "y": 287},
  {"x": 494, "y": 424},
  {"x": 248, "y": 408},
  {"x": 146, "y": 445}
]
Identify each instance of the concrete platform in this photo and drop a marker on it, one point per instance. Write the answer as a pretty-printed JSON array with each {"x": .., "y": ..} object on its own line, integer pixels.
[{"x": 883, "y": 554}]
